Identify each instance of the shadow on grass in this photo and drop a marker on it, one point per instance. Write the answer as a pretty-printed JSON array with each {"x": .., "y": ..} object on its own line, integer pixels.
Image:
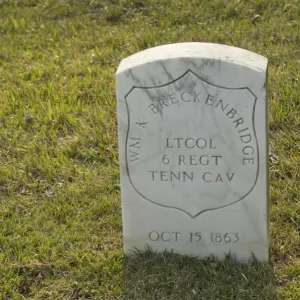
[{"x": 170, "y": 276}]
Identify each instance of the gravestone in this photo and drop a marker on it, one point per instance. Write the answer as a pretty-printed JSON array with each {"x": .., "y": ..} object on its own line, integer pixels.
[{"x": 193, "y": 144}]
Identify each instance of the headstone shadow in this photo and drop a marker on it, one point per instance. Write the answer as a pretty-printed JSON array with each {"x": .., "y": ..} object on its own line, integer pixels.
[{"x": 149, "y": 275}]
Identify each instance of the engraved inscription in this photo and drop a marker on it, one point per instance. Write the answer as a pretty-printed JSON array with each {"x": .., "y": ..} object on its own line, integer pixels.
[
  {"x": 135, "y": 143},
  {"x": 192, "y": 145},
  {"x": 141, "y": 124},
  {"x": 171, "y": 176},
  {"x": 195, "y": 237},
  {"x": 164, "y": 236}
]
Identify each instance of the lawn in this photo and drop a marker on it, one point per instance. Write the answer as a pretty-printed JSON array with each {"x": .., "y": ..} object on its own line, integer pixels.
[{"x": 60, "y": 211}]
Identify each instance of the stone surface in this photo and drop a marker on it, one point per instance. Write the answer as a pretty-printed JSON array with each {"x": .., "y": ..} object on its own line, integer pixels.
[{"x": 192, "y": 122}]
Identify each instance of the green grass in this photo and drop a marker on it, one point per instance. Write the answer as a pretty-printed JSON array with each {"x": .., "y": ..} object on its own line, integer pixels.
[{"x": 60, "y": 212}]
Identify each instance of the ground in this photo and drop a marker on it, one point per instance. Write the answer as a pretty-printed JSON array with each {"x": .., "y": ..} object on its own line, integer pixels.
[{"x": 60, "y": 212}]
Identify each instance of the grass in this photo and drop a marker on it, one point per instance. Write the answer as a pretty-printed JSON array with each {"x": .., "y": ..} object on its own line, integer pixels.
[{"x": 60, "y": 213}]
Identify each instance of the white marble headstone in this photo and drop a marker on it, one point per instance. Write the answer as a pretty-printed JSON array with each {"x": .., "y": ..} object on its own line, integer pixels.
[{"x": 193, "y": 144}]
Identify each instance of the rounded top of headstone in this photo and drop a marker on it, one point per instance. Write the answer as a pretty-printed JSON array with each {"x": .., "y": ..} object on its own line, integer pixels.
[{"x": 196, "y": 50}]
